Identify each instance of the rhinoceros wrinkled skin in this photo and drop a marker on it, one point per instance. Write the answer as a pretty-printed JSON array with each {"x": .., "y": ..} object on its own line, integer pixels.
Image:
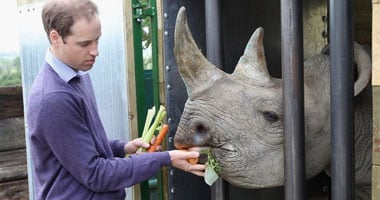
[{"x": 239, "y": 115}]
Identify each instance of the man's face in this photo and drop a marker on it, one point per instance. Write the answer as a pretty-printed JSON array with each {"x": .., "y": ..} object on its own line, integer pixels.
[{"x": 79, "y": 49}]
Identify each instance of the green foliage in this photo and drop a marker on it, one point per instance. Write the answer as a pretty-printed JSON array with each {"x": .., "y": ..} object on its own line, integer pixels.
[
  {"x": 146, "y": 32},
  {"x": 10, "y": 71},
  {"x": 146, "y": 35}
]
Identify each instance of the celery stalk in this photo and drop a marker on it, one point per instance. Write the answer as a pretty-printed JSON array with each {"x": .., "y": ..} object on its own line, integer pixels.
[
  {"x": 149, "y": 116},
  {"x": 147, "y": 137}
]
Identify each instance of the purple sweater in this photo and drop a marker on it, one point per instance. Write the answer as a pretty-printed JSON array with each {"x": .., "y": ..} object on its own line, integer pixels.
[{"x": 72, "y": 157}]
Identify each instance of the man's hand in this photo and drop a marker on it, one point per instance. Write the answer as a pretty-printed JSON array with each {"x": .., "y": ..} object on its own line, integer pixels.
[
  {"x": 179, "y": 160},
  {"x": 132, "y": 146}
]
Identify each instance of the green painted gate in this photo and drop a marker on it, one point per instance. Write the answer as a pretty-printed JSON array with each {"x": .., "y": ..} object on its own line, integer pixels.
[{"x": 146, "y": 76}]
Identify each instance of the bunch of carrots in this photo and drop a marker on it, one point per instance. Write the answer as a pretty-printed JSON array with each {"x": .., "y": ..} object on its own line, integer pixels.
[{"x": 160, "y": 137}]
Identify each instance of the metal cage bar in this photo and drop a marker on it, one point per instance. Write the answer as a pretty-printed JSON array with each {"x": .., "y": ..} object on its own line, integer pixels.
[
  {"x": 293, "y": 98},
  {"x": 214, "y": 49},
  {"x": 342, "y": 84}
]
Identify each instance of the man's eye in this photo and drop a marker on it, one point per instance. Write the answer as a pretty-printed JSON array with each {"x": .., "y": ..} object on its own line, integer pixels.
[{"x": 84, "y": 44}]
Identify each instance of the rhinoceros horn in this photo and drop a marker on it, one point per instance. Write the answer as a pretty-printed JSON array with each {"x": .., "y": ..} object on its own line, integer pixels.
[
  {"x": 196, "y": 71},
  {"x": 252, "y": 67}
]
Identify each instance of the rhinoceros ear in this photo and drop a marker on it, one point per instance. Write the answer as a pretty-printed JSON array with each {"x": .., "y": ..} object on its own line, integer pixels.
[
  {"x": 196, "y": 71},
  {"x": 364, "y": 69},
  {"x": 252, "y": 67}
]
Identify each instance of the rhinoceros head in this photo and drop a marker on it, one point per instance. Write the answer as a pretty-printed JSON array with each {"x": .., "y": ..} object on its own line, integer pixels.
[{"x": 240, "y": 115}]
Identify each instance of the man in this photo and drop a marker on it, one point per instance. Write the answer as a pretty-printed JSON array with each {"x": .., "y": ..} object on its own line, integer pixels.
[{"x": 72, "y": 157}]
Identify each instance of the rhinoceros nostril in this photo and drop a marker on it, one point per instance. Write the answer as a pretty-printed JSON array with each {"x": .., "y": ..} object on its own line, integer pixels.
[{"x": 200, "y": 130}]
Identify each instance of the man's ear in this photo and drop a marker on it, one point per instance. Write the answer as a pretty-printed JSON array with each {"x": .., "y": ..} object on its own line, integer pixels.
[{"x": 55, "y": 38}]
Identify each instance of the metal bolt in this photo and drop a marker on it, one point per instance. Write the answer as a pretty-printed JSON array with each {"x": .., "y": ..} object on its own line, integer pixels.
[
  {"x": 170, "y": 120},
  {"x": 324, "y": 18},
  {"x": 170, "y": 139},
  {"x": 167, "y": 68},
  {"x": 324, "y": 34}
]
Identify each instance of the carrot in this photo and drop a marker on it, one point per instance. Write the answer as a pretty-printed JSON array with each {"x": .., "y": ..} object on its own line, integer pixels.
[
  {"x": 192, "y": 161},
  {"x": 160, "y": 137}
]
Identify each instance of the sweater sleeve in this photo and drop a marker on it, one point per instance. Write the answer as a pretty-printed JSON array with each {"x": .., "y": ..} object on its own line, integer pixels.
[
  {"x": 65, "y": 133},
  {"x": 117, "y": 147}
]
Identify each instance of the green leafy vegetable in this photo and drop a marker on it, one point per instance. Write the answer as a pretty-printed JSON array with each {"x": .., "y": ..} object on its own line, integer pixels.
[{"x": 212, "y": 169}]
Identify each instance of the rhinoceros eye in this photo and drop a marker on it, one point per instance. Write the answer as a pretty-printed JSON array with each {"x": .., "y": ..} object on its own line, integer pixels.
[{"x": 271, "y": 116}]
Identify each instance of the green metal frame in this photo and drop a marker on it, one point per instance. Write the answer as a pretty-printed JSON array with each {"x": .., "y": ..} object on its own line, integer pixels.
[{"x": 143, "y": 9}]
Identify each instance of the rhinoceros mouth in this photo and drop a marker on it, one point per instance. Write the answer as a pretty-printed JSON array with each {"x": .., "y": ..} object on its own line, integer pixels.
[
  {"x": 220, "y": 148},
  {"x": 227, "y": 147},
  {"x": 226, "y": 154},
  {"x": 218, "y": 152}
]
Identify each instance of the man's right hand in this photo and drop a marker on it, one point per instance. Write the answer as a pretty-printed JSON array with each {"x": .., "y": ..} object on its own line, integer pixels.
[{"x": 179, "y": 160}]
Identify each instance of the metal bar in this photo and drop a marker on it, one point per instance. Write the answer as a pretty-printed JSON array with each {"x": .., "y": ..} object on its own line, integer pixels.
[
  {"x": 342, "y": 94},
  {"x": 293, "y": 98},
  {"x": 215, "y": 56},
  {"x": 213, "y": 32}
]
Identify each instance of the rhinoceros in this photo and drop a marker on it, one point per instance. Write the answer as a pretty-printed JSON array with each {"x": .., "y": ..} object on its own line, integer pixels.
[{"x": 239, "y": 116}]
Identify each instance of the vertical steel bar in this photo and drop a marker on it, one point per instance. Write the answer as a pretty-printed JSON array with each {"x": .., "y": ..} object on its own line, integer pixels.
[
  {"x": 293, "y": 98},
  {"x": 342, "y": 84},
  {"x": 213, "y": 32},
  {"x": 215, "y": 56}
]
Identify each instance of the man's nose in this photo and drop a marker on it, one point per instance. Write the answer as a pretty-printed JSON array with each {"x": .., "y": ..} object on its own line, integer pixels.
[{"x": 94, "y": 49}]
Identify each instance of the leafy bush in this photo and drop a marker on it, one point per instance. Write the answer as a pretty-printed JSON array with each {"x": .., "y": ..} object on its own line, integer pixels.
[{"x": 10, "y": 71}]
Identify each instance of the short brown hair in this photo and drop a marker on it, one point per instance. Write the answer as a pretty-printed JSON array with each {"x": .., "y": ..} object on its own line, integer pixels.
[{"x": 60, "y": 15}]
